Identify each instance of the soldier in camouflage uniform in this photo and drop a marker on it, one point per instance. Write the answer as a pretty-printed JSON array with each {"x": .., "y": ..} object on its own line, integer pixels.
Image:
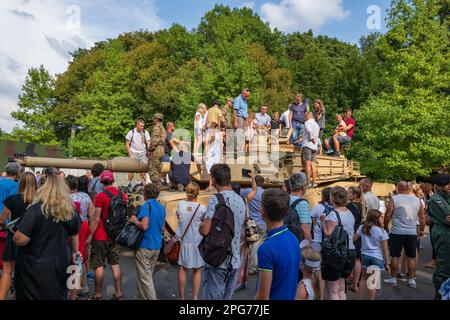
[
  {"x": 156, "y": 148},
  {"x": 439, "y": 212}
]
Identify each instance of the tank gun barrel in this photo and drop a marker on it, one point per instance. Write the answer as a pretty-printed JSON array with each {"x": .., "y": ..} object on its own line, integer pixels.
[{"x": 120, "y": 164}]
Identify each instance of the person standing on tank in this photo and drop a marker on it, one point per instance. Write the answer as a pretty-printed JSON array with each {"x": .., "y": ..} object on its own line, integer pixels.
[
  {"x": 137, "y": 143},
  {"x": 156, "y": 148}
]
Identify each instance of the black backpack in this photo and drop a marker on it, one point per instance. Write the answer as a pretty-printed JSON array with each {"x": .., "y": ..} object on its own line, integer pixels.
[
  {"x": 292, "y": 220},
  {"x": 216, "y": 246},
  {"x": 117, "y": 214},
  {"x": 335, "y": 248}
]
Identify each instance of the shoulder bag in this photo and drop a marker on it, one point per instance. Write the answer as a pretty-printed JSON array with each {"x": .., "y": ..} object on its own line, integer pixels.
[{"x": 173, "y": 246}]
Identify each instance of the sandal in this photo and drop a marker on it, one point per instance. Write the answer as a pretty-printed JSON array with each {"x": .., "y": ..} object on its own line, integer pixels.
[
  {"x": 94, "y": 297},
  {"x": 114, "y": 297}
]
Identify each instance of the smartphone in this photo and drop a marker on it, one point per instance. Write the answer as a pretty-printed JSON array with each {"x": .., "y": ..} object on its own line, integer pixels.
[{"x": 246, "y": 173}]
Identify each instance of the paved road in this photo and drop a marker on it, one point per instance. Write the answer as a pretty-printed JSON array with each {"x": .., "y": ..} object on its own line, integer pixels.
[{"x": 165, "y": 279}]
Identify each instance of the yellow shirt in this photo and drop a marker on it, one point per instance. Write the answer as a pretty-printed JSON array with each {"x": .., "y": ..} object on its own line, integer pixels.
[{"x": 214, "y": 115}]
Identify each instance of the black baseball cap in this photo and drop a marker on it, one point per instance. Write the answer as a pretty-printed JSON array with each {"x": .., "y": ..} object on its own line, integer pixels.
[{"x": 442, "y": 179}]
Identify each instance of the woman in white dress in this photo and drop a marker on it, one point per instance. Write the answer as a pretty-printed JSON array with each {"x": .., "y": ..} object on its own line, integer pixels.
[
  {"x": 190, "y": 257},
  {"x": 213, "y": 148},
  {"x": 198, "y": 126}
]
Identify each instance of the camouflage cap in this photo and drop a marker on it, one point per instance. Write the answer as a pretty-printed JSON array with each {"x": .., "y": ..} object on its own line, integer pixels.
[{"x": 158, "y": 116}]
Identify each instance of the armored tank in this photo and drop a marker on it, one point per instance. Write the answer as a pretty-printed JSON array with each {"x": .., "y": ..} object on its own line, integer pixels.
[{"x": 275, "y": 165}]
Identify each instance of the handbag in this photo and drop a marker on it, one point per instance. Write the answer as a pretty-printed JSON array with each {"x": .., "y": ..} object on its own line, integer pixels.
[
  {"x": 251, "y": 230},
  {"x": 173, "y": 246},
  {"x": 131, "y": 236}
]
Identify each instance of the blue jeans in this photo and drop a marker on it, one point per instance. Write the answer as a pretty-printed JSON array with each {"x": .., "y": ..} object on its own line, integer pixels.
[
  {"x": 297, "y": 132},
  {"x": 367, "y": 261},
  {"x": 214, "y": 286}
]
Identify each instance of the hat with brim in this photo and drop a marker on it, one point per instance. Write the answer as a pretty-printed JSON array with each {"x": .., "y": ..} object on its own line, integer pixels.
[{"x": 158, "y": 116}]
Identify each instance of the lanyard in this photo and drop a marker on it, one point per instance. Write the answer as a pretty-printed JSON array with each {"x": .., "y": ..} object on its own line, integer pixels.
[{"x": 276, "y": 234}]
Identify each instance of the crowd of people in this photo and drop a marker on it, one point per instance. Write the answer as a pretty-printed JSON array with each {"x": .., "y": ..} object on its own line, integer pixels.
[
  {"x": 234, "y": 129},
  {"x": 54, "y": 222}
]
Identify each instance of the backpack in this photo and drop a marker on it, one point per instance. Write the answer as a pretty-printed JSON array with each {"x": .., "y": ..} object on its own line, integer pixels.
[
  {"x": 292, "y": 221},
  {"x": 117, "y": 214},
  {"x": 216, "y": 246},
  {"x": 335, "y": 248}
]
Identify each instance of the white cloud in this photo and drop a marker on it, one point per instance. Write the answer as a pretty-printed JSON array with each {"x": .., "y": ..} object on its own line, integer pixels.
[
  {"x": 302, "y": 15},
  {"x": 35, "y": 32}
]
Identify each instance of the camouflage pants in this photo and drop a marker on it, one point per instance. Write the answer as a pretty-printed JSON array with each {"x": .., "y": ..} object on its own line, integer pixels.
[{"x": 154, "y": 164}]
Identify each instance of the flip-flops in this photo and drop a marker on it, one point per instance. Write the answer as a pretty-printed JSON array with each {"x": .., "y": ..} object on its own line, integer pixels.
[{"x": 94, "y": 297}]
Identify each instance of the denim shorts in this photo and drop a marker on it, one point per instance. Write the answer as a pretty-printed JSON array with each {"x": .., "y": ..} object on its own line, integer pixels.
[{"x": 367, "y": 261}]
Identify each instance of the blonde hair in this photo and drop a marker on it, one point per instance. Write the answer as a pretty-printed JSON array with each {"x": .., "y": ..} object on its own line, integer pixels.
[
  {"x": 414, "y": 187},
  {"x": 357, "y": 191},
  {"x": 54, "y": 196},
  {"x": 27, "y": 187},
  {"x": 192, "y": 191},
  {"x": 308, "y": 253},
  {"x": 202, "y": 107}
]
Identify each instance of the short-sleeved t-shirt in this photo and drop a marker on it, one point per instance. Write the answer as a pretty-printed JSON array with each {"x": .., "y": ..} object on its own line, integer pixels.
[
  {"x": 138, "y": 144},
  {"x": 275, "y": 124},
  {"x": 316, "y": 212},
  {"x": 102, "y": 201},
  {"x": 348, "y": 222},
  {"x": 372, "y": 201},
  {"x": 302, "y": 209},
  {"x": 214, "y": 115},
  {"x": 349, "y": 121},
  {"x": 254, "y": 206},
  {"x": 237, "y": 205},
  {"x": 371, "y": 245},
  {"x": 262, "y": 119},
  {"x": 95, "y": 185},
  {"x": 16, "y": 205},
  {"x": 41, "y": 265},
  {"x": 152, "y": 239},
  {"x": 84, "y": 200},
  {"x": 8, "y": 187},
  {"x": 280, "y": 254},
  {"x": 241, "y": 106},
  {"x": 298, "y": 112},
  {"x": 355, "y": 209}
]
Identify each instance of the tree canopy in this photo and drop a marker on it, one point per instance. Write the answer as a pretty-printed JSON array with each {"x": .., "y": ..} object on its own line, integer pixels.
[{"x": 396, "y": 82}]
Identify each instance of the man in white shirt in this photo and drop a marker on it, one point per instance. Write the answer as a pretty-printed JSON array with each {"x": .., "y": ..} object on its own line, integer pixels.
[
  {"x": 310, "y": 148},
  {"x": 263, "y": 119},
  {"x": 285, "y": 118},
  {"x": 137, "y": 142},
  {"x": 372, "y": 201}
]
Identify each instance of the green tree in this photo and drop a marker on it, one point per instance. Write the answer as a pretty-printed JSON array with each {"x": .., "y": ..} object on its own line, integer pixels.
[
  {"x": 405, "y": 131},
  {"x": 35, "y": 107},
  {"x": 107, "y": 101}
]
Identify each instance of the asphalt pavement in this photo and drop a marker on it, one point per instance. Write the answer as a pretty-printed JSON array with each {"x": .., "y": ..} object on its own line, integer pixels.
[{"x": 165, "y": 280}]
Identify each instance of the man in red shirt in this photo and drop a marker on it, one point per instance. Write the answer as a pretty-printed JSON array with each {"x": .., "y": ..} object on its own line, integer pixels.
[
  {"x": 339, "y": 139},
  {"x": 104, "y": 246}
]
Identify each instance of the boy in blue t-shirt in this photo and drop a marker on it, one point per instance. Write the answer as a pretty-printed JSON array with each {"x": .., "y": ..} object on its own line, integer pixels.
[{"x": 279, "y": 254}]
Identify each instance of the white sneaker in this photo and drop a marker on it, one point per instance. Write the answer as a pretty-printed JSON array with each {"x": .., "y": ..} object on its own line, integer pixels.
[
  {"x": 412, "y": 283},
  {"x": 391, "y": 281}
]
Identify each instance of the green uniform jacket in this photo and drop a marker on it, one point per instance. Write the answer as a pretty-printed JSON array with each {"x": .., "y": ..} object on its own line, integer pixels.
[{"x": 438, "y": 210}]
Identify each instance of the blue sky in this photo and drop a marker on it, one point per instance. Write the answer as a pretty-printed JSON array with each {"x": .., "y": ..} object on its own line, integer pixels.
[{"x": 34, "y": 32}]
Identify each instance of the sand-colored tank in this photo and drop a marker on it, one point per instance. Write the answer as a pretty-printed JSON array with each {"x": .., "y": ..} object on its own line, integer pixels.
[{"x": 275, "y": 165}]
